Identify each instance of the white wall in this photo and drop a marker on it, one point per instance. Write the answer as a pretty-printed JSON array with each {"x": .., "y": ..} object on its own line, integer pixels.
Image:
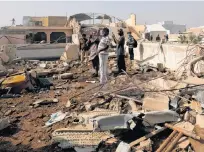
[{"x": 169, "y": 54}]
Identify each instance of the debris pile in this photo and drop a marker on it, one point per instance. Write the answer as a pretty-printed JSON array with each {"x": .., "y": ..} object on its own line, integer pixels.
[{"x": 147, "y": 109}]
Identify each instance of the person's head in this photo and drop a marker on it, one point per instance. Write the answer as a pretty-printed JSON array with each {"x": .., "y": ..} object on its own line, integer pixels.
[
  {"x": 105, "y": 31},
  {"x": 128, "y": 33},
  {"x": 84, "y": 35},
  {"x": 91, "y": 36},
  {"x": 120, "y": 32},
  {"x": 158, "y": 35}
]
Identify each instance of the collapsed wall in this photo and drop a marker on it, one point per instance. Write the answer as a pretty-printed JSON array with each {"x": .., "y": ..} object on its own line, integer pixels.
[
  {"x": 176, "y": 57},
  {"x": 7, "y": 55}
]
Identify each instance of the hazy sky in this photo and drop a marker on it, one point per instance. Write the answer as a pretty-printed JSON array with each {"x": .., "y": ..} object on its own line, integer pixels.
[{"x": 189, "y": 13}]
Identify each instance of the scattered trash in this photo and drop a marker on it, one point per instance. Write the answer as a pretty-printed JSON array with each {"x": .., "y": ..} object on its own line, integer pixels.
[
  {"x": 63, "y": 76},
  {"x": 56, "y": 117},
  {"x": 45, "y": 101},
  {"x": 90, "y": 81}
]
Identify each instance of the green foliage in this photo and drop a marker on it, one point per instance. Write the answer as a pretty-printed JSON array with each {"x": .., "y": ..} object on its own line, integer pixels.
[{"x": 194, "y": 39}]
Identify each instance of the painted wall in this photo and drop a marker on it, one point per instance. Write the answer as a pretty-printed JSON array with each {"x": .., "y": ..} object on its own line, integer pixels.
[
  {"x": 44, "y": 20},
  {"x": 57, "y": 20},
  {"x": 170, "y": 55}
]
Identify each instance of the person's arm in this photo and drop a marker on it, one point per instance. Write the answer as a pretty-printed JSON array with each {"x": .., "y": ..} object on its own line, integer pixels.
[
  {"x": 114, "y": 38},
  {"x": 103, "y": 49}
]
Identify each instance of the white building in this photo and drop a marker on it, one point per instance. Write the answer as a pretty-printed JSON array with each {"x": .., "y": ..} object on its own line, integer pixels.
[{"x": 155, "y": 30}]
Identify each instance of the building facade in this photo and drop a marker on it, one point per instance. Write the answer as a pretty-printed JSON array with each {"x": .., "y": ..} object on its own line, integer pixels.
[{"x": 173, "y": 28}]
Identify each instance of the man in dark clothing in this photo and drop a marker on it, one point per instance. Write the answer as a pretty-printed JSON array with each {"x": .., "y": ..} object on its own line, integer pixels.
[
  {"x": 120, "y": 51},
  {"x": 151, "y": 38},
  {"x": 83, "y": 47},
  {"x": 158, "y": 38},
  {"x": 167, "y": 37}
]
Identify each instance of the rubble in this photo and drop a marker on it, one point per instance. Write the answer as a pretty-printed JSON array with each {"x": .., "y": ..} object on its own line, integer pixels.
[
  {"x": 199, "y": 120},
  {"x": 70, "y": 53},
  {"x": 156, "y": 103},
  {"x": 45, "y": 101},
  {"x": 60, "y": 102},
  {"x": 55, "y": 117},
  {"x": 156, "y": 117},
  {"x": 4, "y": 123}
]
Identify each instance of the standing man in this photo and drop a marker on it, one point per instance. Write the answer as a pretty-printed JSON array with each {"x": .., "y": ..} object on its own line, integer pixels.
[
  {"x": 158, "y": 38},
  {"x": 167, "y": 37},
  {"x": 83, "y": 47},
  {"x": 103, "y": 55},
  {"x": 94, "y": 55},
  {"x": 120, "y": 51},
  {"x": 131, "y": 45}
]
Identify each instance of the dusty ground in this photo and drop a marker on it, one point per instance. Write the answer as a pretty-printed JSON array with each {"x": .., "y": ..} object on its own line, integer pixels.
[{"x": 27, "y": 132}]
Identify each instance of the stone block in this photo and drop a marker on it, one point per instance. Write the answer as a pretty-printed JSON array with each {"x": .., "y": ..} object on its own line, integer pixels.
[
  {"x": 71, "y": 53},
  {"x": 156, "y": 103},
  {"x": 199, "y": 120}
]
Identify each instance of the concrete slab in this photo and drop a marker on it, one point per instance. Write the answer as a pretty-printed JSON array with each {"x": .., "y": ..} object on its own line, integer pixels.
[
  {"x": 199, "y": 120},
  {"x": 71, "y": 53},
  {"x": 156, "y": 103},
  {"x": 194, "y": 81}
]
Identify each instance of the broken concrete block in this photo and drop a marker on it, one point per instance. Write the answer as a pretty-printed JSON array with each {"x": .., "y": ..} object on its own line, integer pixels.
[
  {"x": 156, "y": 117},
  {"x": 123, "y": 147},
  {"x": 68, "y": 104},
  {"x": 66, "y": 75},
  {"x": 8, "y": 112},
  {"x": 185, "y": 125},
  {"x": 43, "y": 65},
  {"x": 88, "y": 106},
  {"x": 145, "y": 145},
  {"x": 4, "y": 123},
  {"x": 45, "y": 101},
  {"x": 199, "y": 120},
  {"x": 183, "y": 142},
  {"x": 71, "y": 53},
  {"x": 194, "y": 80},
  {"x": 166, "y": 84},
  {"x": 156, "y": 103},
  {"x": 105, "y": 123},
  {"x": 133, "y": 106},
  {"x": 65, "y": 64},
  {"x": 10, "y": 51},
  {"x": 4, "y": 57},
  {"x": 63, "y": 76}
]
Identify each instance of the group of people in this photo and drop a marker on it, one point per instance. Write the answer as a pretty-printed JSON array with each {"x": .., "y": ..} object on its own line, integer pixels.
[
  {"x": 158, "y": 39},
  {"x": 98, "y": 49}
]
